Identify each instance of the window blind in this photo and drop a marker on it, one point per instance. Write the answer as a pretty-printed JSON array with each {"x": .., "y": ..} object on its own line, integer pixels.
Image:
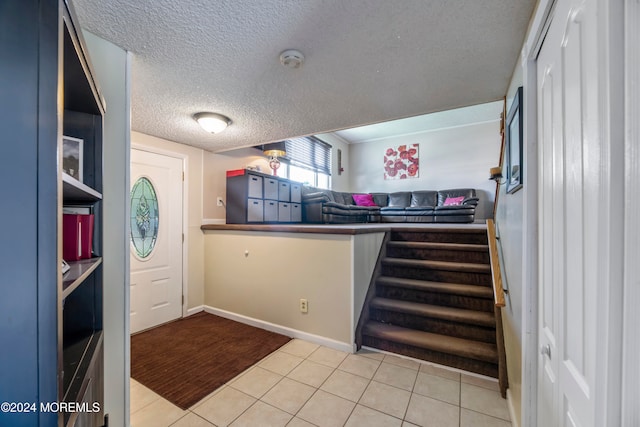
[{"x": 309, "y": 152}]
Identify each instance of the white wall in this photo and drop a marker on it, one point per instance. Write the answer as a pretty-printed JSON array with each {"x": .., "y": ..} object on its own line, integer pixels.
[
  {"x": 112, "y": 66},
  {"x": 215, "y": 167},
  {"x": 509, "y": 224},
  {"x": 193, "y": 158},
  {"x": 457, "y": 157},
  {"x": 279, "y": 270},
  {"x": 263, "y": 276},
  {"x": 339, "y": 181}
]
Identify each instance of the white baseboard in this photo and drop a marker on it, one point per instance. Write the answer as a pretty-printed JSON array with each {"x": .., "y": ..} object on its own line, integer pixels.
[
  {"x": 208, "y": 221},
  {"x": 293, "y": 333},
  {"x": 194, "y": 310},
  {"x": 512, "y": 411}
]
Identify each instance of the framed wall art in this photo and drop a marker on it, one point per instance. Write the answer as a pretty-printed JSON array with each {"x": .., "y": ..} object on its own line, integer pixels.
[
  {"x": 72, "y": 155},
  {"x": 513, "y": 131},
  {"x": 402, "y": 162}
]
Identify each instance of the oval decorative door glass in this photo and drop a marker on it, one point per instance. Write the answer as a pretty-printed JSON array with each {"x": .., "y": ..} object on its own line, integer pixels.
[{"x": 144, "y": 217}]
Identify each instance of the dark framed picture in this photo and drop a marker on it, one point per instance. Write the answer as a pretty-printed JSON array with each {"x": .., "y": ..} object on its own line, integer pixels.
[
  {"x": 72, "y": 156},
  {"x": 513, "y": 158}
]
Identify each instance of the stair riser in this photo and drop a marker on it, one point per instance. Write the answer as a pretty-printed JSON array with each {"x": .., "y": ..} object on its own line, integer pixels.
[
  {"x": 479, "y": 238},
  {"x": 479, "y": 257},
  {"x": 434, "y": 298},
  {"x": 482, "y": 279},
  {"x": 471, "y": 365},
  {"x": 436, "y": 326}
]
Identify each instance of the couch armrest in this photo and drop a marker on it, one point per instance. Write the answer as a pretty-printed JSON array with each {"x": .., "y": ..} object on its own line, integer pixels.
[
  {"x": 471, "y": 201},
  {"x": 319, "y": 197}
]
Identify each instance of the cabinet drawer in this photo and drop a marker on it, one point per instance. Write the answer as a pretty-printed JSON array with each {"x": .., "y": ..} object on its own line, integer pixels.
[
  {"x": 271, "y": 188},
  {"x": 284, "y": 212},
  {"x": 296, "y": 212},
  {"x": 255, "y": 210},
  {"x": 255, "y": 187},
  {"x": 296, "y": 192},
  {"x": 270, "y": 210},
  {"x": 283, "y": 191}
]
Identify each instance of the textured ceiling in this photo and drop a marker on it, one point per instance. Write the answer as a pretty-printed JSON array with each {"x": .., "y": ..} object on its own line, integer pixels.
[{"x": 367, "y": 61}]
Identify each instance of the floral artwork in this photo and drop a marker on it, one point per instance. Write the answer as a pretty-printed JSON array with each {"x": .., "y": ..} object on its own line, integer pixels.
[{"x": 401, "y": 162}]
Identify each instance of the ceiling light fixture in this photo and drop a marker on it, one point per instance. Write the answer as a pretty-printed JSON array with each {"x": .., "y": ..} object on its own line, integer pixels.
[{"x": 212, "y": 122}]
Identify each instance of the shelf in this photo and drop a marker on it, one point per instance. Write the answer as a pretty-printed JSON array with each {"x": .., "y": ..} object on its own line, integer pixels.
[
  {"x": 78, "y": 272},
  {"x": 77, "y": 360},
  {"x": 74, "y": 191}
]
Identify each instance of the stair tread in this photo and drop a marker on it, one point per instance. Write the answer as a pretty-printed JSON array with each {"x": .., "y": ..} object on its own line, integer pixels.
[
  {"x": 434, "y": 342},
  {"x": 478, "y": 229},
  {"x": 438, "y": 245},
  {"x": 453, "y": 314},
  {"x": 477, "y": 291},
  {"x": 440, "y": 265}
]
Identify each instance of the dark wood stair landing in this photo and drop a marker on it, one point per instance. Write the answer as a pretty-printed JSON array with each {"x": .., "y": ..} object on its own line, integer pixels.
[{"x": 431, "y": 299}]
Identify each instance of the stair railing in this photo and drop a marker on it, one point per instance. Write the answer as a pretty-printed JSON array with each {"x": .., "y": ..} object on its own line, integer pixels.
[
  {"x": 496, "y": 274},
  {"x": 498, "y": 298}
]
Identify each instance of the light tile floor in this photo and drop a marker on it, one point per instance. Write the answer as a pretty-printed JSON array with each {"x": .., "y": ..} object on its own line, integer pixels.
[{"x": 304, "y": 384}]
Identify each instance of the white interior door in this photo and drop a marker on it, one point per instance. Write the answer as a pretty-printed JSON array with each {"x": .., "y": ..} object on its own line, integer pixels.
[
  {"x": 156, "y": 239},
  {"x": 569, "y": 186}
]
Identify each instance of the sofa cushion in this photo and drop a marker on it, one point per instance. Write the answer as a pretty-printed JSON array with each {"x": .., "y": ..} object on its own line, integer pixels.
[
  {"x": 364, "y": 200},
  {"x": 400, "y": 199},
  {"x": 454, "y": 210},
  {"x": 424, "y": 198},
  {"x": 419, "y": 210},
  {"x": 453, "y": 201},
  {"x": 457, "y": 192},
  {"x": 380, "y": 199}
]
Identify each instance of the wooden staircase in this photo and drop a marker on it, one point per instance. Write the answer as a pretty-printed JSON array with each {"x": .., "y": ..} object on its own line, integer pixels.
[{"x": 431, "y": 298}]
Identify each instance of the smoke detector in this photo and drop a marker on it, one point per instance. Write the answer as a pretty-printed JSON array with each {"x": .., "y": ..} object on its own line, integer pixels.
[{"x": 292, "y": 58}]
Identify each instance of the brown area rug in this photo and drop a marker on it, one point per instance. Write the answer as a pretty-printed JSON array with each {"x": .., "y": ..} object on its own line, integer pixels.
[{"x": 185, "y": 360}]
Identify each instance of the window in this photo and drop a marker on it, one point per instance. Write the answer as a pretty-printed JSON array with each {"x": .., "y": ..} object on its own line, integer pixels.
[{"x": 308, "y": 160}]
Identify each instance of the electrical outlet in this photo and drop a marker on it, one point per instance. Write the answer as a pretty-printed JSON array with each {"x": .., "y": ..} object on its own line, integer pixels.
[
  {"x": 219, "y": 201},
  {"x": 304, "y": 306}
]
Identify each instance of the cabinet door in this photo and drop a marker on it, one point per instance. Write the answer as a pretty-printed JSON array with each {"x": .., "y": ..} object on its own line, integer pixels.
[
  {"x": 284, "y": 212},
  {"x": 271, "y": 188},
  {"x": 283, "y": 191},
  {"x": 270, "y": 210},
  {"x": 296, "y": 212},
  {"x": 255, "y": 210},
  {"x": 296, "y": 192},
  {"x": 255, "y": 186}
]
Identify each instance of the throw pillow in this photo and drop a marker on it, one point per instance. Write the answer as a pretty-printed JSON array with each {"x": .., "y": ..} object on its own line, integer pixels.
[
  {"x": 364, "y": 200},
  {"x": 453, "y": 201}
]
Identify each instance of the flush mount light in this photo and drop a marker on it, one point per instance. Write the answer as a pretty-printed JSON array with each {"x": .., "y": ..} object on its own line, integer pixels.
[{"x": 212, "y": 122}]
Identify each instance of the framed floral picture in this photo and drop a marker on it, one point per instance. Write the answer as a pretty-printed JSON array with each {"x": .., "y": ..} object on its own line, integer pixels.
[{"x": 402, "y": 162}]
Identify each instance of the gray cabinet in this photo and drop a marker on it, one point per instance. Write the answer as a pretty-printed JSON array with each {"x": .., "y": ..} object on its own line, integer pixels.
[{"x": 254, "y": 197}]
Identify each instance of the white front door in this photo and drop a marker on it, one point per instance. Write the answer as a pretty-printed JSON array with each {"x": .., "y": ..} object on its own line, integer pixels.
[
  {"x": 156, "y": 239},
  {"x": 569, "y": 191}
]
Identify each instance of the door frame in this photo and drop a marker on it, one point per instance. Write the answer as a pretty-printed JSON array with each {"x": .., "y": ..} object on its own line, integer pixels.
[
  {"x": 530, "y": 50},
  {"x": 185, "y": 212},
  {"x": 630, "y": 331},
  {"x": 612, "y": 351}
]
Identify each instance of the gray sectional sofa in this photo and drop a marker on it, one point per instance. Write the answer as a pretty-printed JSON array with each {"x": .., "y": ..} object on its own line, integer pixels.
[{"x": 425, "y": 206}]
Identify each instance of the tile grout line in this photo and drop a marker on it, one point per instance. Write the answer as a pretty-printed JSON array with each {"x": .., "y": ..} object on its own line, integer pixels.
[{"x": 460, "y": 402}]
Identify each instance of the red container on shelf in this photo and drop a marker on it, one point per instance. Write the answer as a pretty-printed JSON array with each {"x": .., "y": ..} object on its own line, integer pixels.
[
  {"x": 77, "y": 236},
  {"x": 235, "y": 172}
]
